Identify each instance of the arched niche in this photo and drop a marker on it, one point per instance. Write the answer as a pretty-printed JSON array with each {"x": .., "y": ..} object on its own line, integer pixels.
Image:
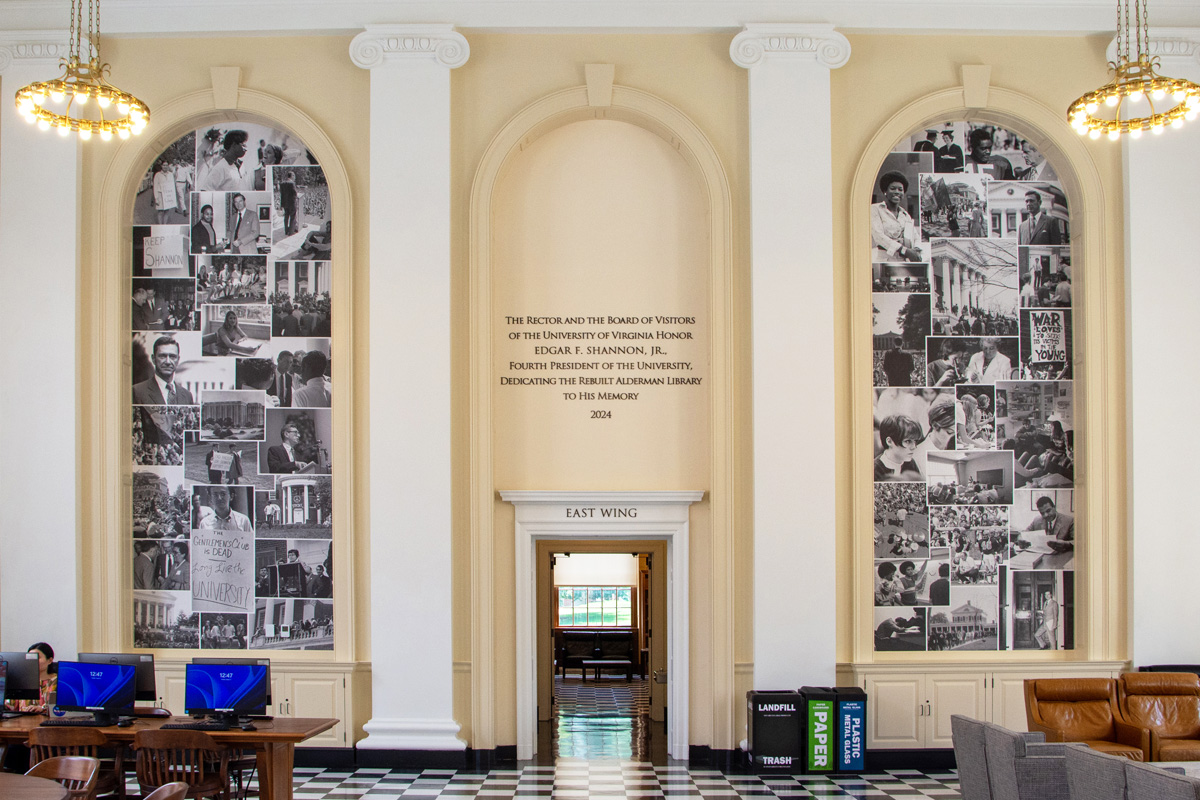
[
  {"x": 107, "y": 613},
  {"x": 669, "y": 123},
  {"x": 1099, "y": 371}
]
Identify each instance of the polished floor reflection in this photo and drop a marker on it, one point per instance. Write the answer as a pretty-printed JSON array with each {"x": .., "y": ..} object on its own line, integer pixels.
[{"x": 604, "y": 718}]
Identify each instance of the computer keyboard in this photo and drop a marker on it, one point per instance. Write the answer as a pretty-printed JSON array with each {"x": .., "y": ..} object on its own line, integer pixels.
[
  {"x": 74, "y": 722},
  {"x": 194, "y": 726}
]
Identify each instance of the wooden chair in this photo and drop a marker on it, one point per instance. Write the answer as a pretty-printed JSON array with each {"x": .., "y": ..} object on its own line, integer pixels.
[
  {"x": 77, "y": 774},
  {"x": 169, "y": 791},
  {"x": 191, "y": 757},
  {"x": 45, "y": 743}
]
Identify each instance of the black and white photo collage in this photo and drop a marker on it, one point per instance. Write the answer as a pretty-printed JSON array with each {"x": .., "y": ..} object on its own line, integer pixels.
[
  {"x": 974, "y": 501},
  {"x": 232, "y": 395}
]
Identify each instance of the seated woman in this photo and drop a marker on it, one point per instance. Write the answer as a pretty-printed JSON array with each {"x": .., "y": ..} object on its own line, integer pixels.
[
  {"x": 317, "y": 244},
  {"x": 47, "y": 681},
  {"x": 228, "y": 339}
]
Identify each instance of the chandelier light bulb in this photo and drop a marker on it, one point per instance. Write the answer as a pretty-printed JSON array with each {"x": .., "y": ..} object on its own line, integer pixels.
[
  {"x": 103, "y": 100},
  {"x": 1135, "y": 96},
  {"x": 1114, "y": 134},
  {"x": 63, "y": 130},
  {"x": 85, "y": 133},
  {"x": 1156, "y": 130},
  {"x": 106, "y": 134},
  {"x": 43, "y": 125},
  {"x": 1110, "y": 101},
  {"x": 1159, "y": 94},
  {"x": 1091, "y": 107},
  {"x": 1136, "y": 133},
  {"x": 57, "y": 96},
  {"x": 1095, "y": 133},
  {"x": 123, "y": 133}
]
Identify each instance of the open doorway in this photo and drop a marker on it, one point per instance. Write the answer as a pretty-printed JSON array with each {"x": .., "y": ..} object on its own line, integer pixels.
[
  {"x": 625, "y": 522},
  {"x": 601, "y": 638}
]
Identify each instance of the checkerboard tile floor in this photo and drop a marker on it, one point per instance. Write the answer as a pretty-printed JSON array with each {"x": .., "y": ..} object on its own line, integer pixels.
[
  {"x": 616, "y": 779},
  {"x": 610, "y": 694}
]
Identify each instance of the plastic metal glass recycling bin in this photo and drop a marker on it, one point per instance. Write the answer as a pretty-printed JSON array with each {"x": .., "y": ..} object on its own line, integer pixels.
[{"x": 851, "y": 728}]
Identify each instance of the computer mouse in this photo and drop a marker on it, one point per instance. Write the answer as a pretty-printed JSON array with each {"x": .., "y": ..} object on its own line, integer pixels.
[
  {"x": 248, "y": 726},
  {"x": 125, "y": 723}
]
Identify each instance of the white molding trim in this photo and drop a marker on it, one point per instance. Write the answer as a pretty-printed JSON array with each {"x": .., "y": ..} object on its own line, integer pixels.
[
  {"x": 1176, "y": 47},
  {"x": 106, "y": 613},
  {"x": 1101, "y": 588},
  {"x": 380, "y": 44},
  {"x": 819, "y": 43},
  {"x": 33, "y": 49},
  {"x": 673, "y": 126},
  {"x": 660, "y": 515}
]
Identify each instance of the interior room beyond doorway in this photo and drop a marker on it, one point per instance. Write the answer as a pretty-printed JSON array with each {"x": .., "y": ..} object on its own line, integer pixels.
[{"x": 601, "y": 612}]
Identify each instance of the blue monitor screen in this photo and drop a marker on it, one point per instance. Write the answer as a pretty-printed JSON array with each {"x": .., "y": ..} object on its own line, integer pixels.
[
  {"x": 84, "y": 686},
  {"x": 225, "y": 688}
]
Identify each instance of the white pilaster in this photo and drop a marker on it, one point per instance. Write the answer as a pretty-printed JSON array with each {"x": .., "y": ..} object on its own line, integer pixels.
[
  {"x": 792, "y": 244},
  {"x": 412, "y": 681},
  {"x": 1162, "y": 210},
  {"x": 39, "y": 273}
]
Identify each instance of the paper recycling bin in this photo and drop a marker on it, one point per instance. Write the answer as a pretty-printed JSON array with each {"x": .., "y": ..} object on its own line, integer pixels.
[
  {"x": 820, "y": 729},
  {"x": 851, "y": 728},
  {"x": 774, "y": 735}
]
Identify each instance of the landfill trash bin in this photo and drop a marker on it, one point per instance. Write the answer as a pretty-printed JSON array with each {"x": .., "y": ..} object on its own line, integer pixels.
[{"x": 774, "y": 735}]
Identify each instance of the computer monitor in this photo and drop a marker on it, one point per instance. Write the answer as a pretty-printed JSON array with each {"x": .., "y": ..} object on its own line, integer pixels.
[
  {"x": 266, "y": 662},
  {"x": 225, "y": 690},
  {"x": 143, "y": 664},
  {"x": 3, "y": 680},
  {"x": 24, "y": 675},
  {"x": 104, "y": 689}
]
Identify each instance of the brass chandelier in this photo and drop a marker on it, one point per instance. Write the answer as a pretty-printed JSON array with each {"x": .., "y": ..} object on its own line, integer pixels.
[
  {"x": 67, "y": 102},
  {"x": 1139, "y": 99}
]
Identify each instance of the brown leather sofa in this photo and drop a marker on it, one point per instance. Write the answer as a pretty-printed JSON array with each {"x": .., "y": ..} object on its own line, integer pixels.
[
  {"x": 1167, "y": 704},
  {"x": 1083, "y": 710}
]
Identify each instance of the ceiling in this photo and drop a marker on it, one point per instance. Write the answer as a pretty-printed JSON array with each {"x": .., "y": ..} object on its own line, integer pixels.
[{"x": 266, "y": 17}]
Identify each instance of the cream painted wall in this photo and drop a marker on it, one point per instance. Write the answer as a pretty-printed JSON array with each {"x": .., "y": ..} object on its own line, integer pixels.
[
  {"x": 596, "y": 569},
  {"x": 316, "y": 75},
  {"x": 505, "y": 74},
  {"x": 884, "y": 74}
]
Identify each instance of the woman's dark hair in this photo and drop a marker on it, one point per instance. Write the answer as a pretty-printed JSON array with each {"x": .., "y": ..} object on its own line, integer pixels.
[
  {"x": 48, "y": 652},
  {"x": 888, "y": 178},
  {"x": 44, "y": 648}
]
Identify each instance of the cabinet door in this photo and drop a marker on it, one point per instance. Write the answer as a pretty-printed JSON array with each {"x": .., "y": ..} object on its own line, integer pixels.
[
  {"x": 960, "y": 693},
  {"x": 892, "y": 711},
  {"x": 320, "y": 695},
  {"x": 171, "y": 690}
]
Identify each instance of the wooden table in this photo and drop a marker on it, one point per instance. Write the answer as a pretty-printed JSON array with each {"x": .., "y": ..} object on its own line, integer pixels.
[
  {"x": 23, "y": 787},
  {"x": 274, "y": 742}
]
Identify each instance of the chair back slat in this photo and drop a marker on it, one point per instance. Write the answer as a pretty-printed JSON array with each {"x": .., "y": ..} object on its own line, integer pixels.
[{"x": 77, "y": 774}]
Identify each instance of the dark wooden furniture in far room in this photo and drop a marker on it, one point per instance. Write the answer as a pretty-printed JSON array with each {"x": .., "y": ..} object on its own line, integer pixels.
[{"x": 597, "y": 649}]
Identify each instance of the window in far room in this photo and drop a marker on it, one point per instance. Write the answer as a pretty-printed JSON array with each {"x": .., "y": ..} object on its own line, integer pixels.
[{"x": 595, "y": 606}]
